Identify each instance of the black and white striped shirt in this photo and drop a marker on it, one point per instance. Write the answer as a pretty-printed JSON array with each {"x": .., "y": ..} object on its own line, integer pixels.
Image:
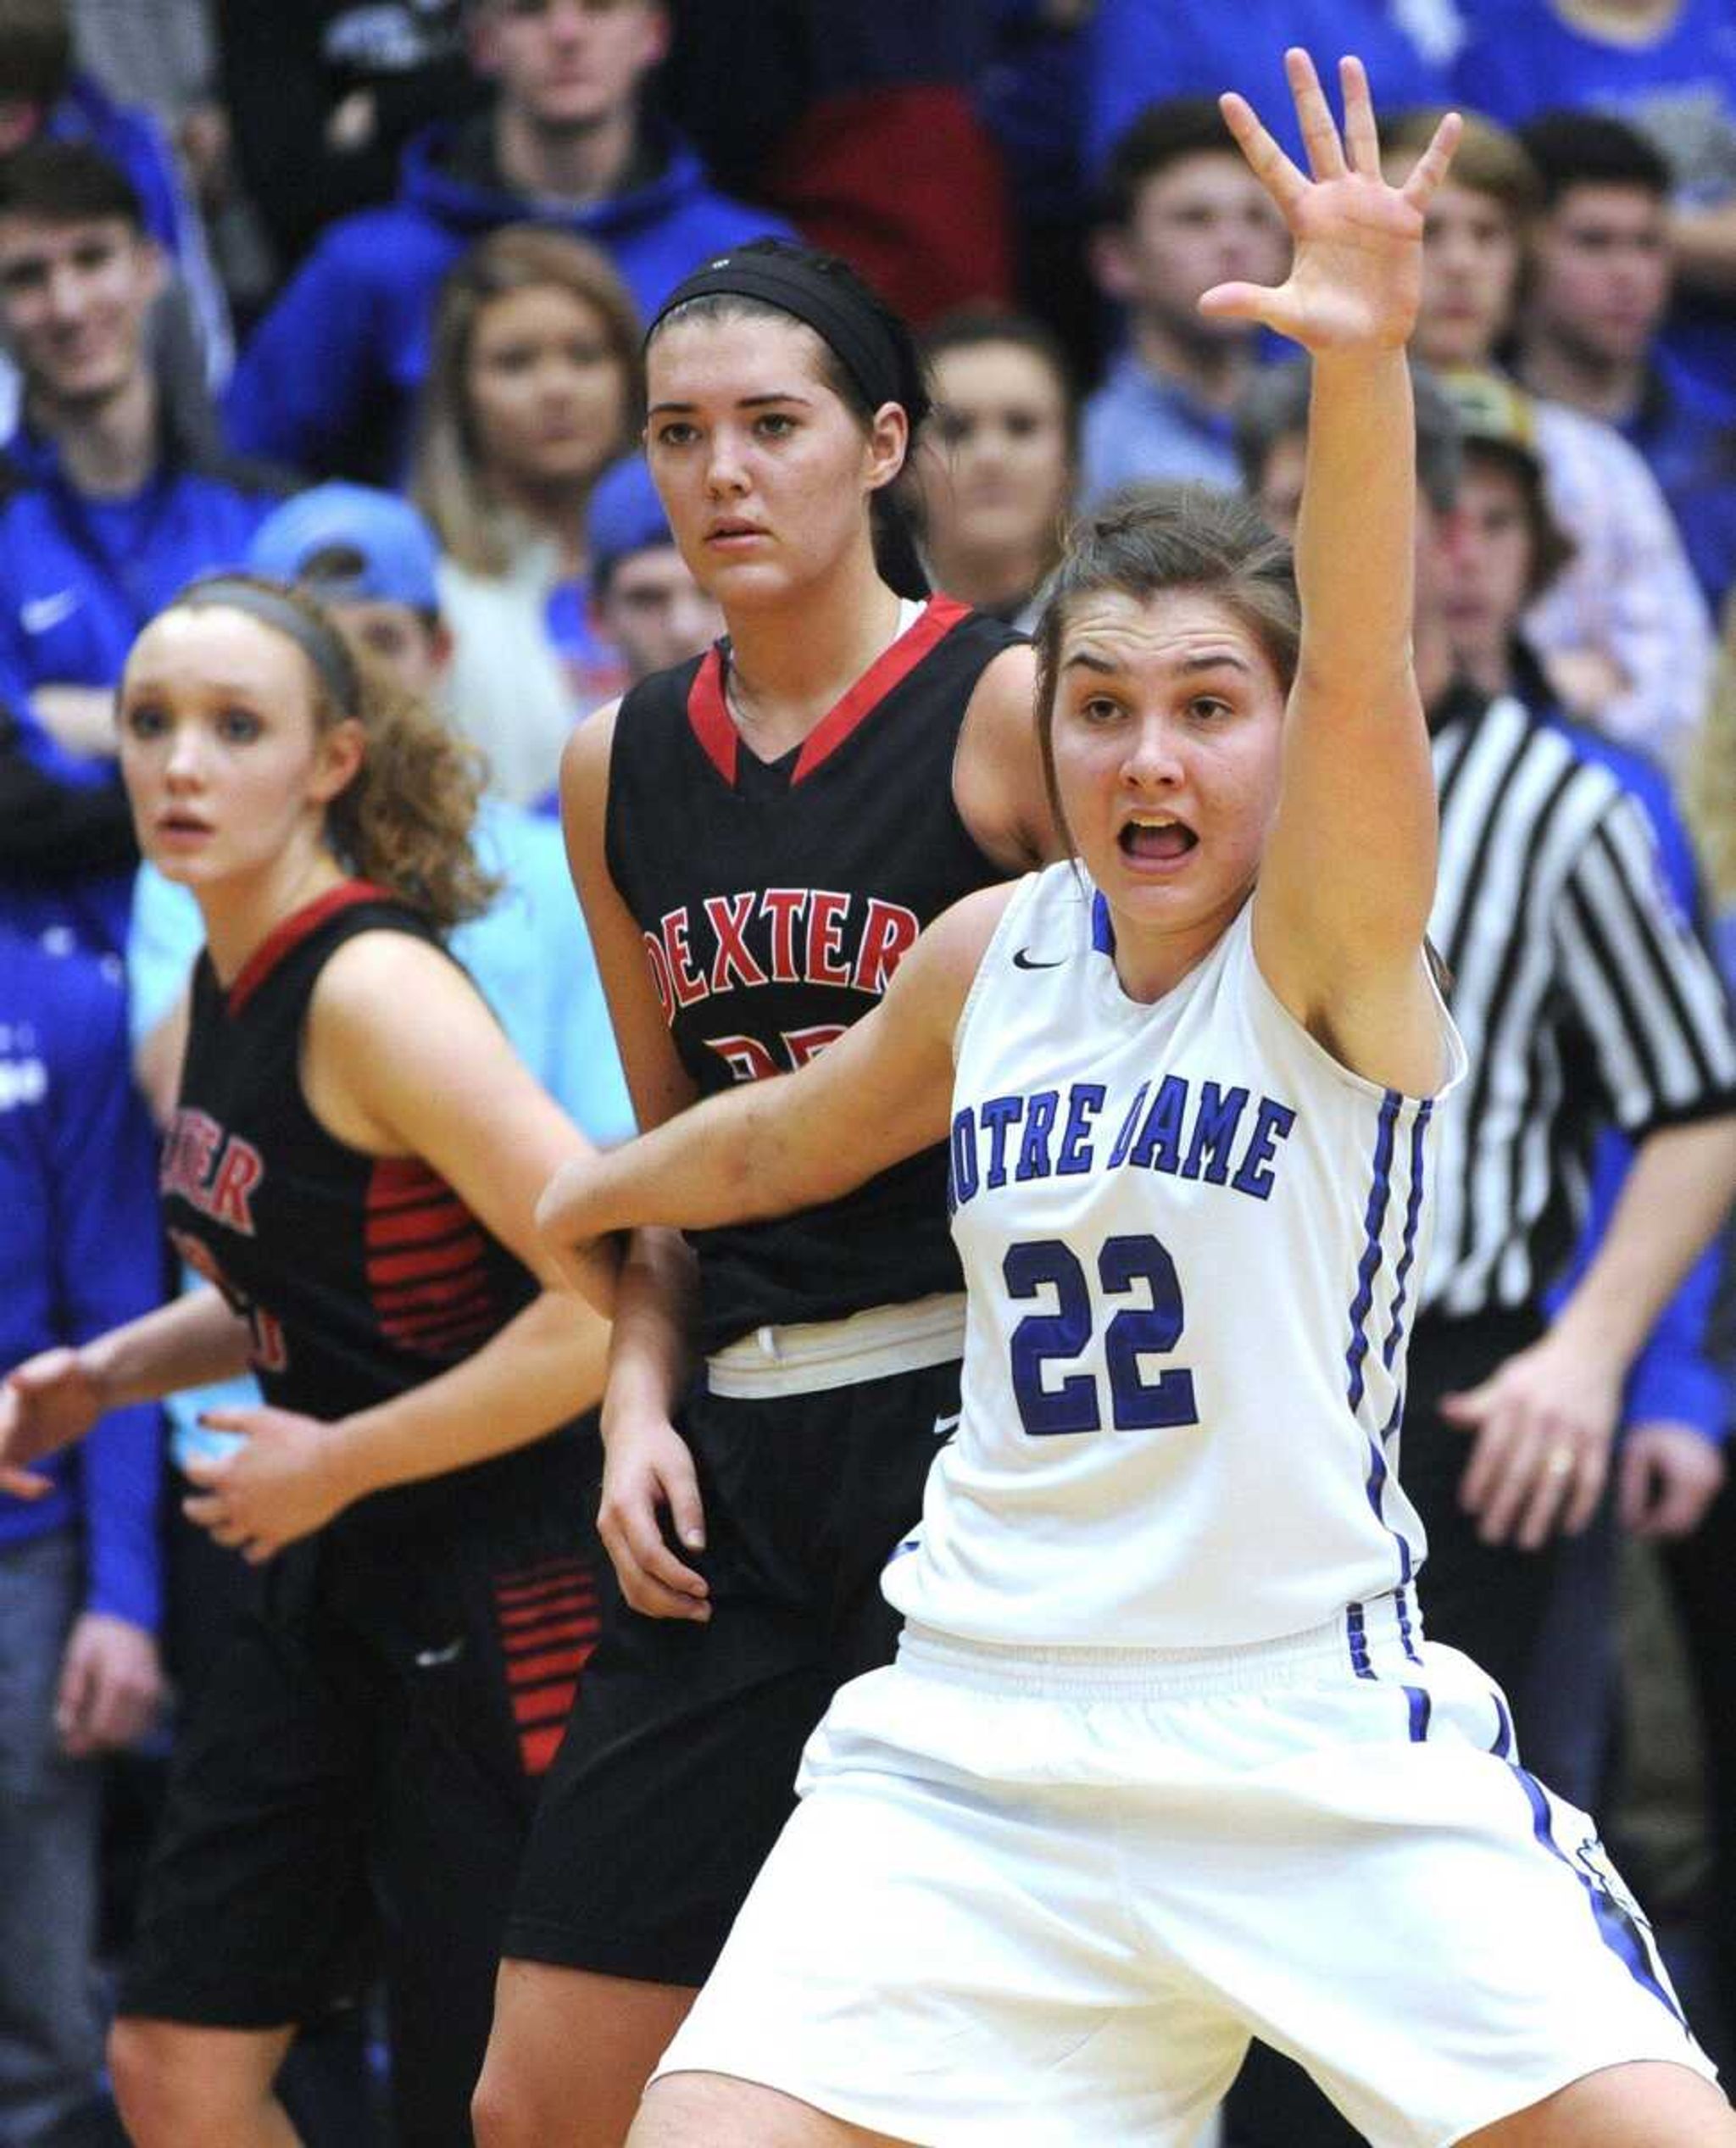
[{"x": 1583, "y": 994}]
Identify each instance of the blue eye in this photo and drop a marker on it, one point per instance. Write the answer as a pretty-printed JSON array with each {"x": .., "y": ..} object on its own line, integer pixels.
[{"x": 238, "y": 727}]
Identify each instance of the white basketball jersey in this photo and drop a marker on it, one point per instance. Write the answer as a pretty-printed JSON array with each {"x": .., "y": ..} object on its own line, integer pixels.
[{"x": 1193, "y": 1242}]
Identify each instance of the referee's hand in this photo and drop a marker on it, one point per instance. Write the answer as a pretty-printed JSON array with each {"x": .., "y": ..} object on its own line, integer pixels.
[
  {"x": 1541, "y": 1426},
  {"x": 648, "y": 1473}
]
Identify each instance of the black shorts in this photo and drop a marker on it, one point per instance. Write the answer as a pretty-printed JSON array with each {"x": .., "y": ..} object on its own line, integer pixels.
[
  {"x": 355, "y": 1784},
  {"x": 679, "y": 1765}
]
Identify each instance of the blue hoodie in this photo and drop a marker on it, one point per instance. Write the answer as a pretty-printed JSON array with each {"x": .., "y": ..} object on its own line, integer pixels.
[
  {"x": 329, "y": 381},
  {"x": 78, "y": 578},
  {"x": 81, "y": 1251}
]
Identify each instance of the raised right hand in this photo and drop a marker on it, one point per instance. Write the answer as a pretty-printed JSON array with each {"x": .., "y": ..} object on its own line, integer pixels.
[
  {"x": 45, "y": 1403},
  {"x": 648, "y": 1472}
]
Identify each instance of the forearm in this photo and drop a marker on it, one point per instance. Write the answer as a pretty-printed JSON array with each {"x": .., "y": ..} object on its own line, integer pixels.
[
  {"x": 120, "y": 1466},
  {"x": 651, "y": 1350},
  {"x": 543, "y": 1368},
  {"x": 194, "y": 1342},
  {"x": 1676, "y": 1196},
  {"x": 722, "y": 1161},
  {"x": 1358, "y": 506}
]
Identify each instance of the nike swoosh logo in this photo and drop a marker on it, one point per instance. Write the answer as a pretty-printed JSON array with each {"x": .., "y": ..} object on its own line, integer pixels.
[
  {"x": 431, "y": 1658},
  {"x": 36, "y": 614},
  {"x": 945, "y": 1428},
  {"x": 1024, "y": 959}
]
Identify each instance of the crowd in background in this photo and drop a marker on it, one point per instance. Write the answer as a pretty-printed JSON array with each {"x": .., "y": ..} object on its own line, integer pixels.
[{"x": 354, "y": 294}]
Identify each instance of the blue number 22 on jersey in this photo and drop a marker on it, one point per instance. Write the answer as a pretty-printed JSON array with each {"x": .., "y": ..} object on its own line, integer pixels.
[{"x": 1136, "y": 1404}]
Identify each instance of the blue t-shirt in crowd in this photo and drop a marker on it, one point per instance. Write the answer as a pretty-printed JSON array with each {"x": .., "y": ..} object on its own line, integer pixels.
[
  {"x": 1521, "y": 58},
  {"x": 1139, "y": 426},
  {"x": 1690, "y": 445},
  {"x": 80, "y": 1250}
]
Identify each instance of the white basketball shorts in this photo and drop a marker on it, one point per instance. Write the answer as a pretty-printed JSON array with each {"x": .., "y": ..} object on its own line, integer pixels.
[{"x": 1042, "y": 1900}]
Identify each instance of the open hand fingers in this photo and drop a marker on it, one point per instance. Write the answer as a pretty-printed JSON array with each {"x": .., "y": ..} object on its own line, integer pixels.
[
  {"x": 1361, "y": 137},
  {"x": 1320, "y": 130},
  {"x": 653, "y": 1578},
  {"x": 1431, "y": 167},
  {"x": 1566, "y": 1479},
  {"x": 1525, "y": 1481},
  {"x": 1265, "y": 159},
  {"x": 211, "y": 1512}
]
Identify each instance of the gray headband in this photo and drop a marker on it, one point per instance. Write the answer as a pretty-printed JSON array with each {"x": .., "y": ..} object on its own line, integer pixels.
[{"x": 323, "y": 646}]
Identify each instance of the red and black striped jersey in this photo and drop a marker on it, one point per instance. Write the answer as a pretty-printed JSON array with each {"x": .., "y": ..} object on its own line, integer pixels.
[
  {"x": 776, "y": 899},
  {"x": 360, "y": 1275}
]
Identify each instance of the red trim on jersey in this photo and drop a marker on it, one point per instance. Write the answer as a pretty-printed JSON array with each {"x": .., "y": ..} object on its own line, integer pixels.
[
  {"x": 426, "y": 1260},
  {"x": 283, "y": 940},
  {"x": 709, "y": 713},
  {"x": 549, "y": 1618},
  {"x": 889, "y": 668},
  {"x": 708, "y": 710}
]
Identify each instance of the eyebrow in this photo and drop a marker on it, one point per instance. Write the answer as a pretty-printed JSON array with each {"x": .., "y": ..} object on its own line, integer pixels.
[
  {"x": 1088, "y": 660},
  {"x": 742, "y": 402}
]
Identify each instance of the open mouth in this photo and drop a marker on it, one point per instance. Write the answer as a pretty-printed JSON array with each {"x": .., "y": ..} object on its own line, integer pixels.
[{"x": 1155, "y": 838}]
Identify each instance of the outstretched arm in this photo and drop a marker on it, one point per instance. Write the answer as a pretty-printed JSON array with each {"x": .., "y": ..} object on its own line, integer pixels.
[
  {"x": 879, "y": 1093},
  {"x": 1348, "y": 873}
]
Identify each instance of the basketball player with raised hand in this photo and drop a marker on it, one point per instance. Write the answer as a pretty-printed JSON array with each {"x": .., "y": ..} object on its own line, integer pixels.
[
  {"x": 1165, "y": 1760},
  {"x": 758, "y": 837},
  {"x": 364, "y": 1754}
]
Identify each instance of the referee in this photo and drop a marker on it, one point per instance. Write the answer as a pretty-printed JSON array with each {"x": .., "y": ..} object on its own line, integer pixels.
[{"x": 1585, "y": 1000}]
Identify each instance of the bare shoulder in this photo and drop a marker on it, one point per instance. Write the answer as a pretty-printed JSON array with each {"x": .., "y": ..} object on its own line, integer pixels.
[
  {"x": 1003, "y": 703},
  {"x": 381, "y": 989},
  {"x": 943, "y": 965},
  {"x": 998, "y": 776},
  {"x": 584, "y": 759}
]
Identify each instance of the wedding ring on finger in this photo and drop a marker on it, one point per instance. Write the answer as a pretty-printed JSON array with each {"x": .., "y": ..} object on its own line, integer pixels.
[{"x": 1559, "y": 1461}]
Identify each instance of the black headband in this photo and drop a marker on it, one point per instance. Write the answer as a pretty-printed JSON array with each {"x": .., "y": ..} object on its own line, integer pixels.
[
  {"x": 863, "y": 342},
  {"x": 323, "y": 646}
]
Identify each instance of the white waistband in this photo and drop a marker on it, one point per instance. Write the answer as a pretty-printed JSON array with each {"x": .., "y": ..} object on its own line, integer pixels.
[
  {"x": 1379, "y": 1641},
  {"x": 813, "y": 1355}
]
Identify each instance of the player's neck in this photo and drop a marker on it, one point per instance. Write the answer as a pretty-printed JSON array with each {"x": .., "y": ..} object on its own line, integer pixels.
[
  {"x": 1150, "y": 963},
  {"x": 242, "y": 914},
  {"x": 792, "y": 661}
]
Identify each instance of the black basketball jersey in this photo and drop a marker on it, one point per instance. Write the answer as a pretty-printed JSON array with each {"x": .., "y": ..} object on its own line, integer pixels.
[
  {"x": 361, "y": 1277},
  {"x": 776, "y": 899}
]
